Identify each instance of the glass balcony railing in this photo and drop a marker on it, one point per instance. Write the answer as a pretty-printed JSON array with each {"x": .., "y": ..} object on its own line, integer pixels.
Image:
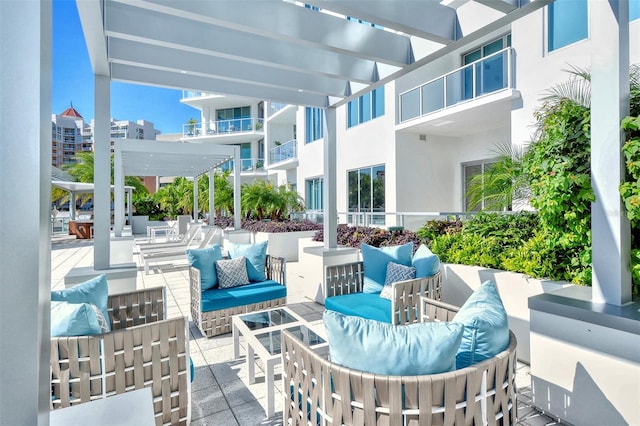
[
  {"x": 191, "y": 94},
  {"x": 237, "y": 125},
  {"x": 247, "y": 165},
  {"x": 283, "y": 152},
  {"x": 487, "y": 75},
  {"x": 275, "y": 107}
]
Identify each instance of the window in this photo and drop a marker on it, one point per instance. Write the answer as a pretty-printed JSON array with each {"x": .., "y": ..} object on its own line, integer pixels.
[
  {"x": 366, "y": 192},
  {"x": 634, "y": 10},
  {"x": 314, "y": 124},
  {"x": 491, "y": 74},
  {"x": 230, "y": 119},
  {"x": 568, "y": 22},
  {"x": 470, "y": 170},
  {"x": 366, "y": 107},
  {"x": 314, "y": 193},
  {"x": 360, "y": 21}
]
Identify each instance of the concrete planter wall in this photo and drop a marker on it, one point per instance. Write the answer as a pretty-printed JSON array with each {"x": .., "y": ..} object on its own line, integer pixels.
[
  {"x": 459, "y": 281},
  {"x": 283, "y": 244},
  {"x": 139, "y": 224}
]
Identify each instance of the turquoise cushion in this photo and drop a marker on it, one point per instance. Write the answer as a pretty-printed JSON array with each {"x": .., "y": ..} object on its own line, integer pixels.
[
  {"x": 256, "y": 255},
  {"x": 396, "y": 350},
  {"x": 204, "y": 259},
  {"x": 486, "y": 326},
  {"x": 375, "y": 263},
  {"x": 365, "y": 305},
  {"x": 95, "y": 291},
  {"x": 224, "y": 298},
  {"x": 73, "y": 319},
  {"x": 425, "y": 262}
]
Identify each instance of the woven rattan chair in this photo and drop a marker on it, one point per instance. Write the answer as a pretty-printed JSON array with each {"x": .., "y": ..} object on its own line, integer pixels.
[
  {"x": 319, "y": 392},
  {"x": 349, "y": 278},
  {"x": 143, "y": 350},
  {"x": 213, "y": 323}
]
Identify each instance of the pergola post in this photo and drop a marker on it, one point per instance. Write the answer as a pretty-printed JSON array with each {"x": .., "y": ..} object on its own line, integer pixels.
[
  {"x": 212, "y": 187},
  {"x": 102, "y": 173},
  {"x": 237, "y": 223},
  {"x": 195, "y": 198},
  {"x": 129, "y": 205},
  {"x": 330, "y": 211},
  {"x": 610, "y": 229},
  {"x": 118, "y": 193},
  {"x": 72, "y": 205}
]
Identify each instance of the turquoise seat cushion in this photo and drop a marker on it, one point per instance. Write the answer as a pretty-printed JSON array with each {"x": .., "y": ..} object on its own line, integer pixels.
[
  {"x": 365, "y": 305},
  {"x": 94, "y": 291},
  {"x": 74, "y": 319},
  {"x": 396, "y": 350},
  {"x": 425, "y": 261},
  {"x": 486, "y": 326},
  {"x": 224, "y": 298},
  {"x": 256, "y": 255},
  {"x": 204, "y": 260},
  {"x": 375, "y": 260}
]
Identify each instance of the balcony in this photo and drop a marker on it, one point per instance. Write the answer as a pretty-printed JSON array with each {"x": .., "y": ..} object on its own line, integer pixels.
[
  {"x": 247, "y": 166},
  {"x": 432, "y": 107},
  {"x": 284, "y": 156},
  {"x": 222, "y": 129}
]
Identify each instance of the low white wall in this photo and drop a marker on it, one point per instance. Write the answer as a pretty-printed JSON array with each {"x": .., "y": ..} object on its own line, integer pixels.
[
  {"x": 459, "y": 281},
  {"x": 283, "y": 244}
]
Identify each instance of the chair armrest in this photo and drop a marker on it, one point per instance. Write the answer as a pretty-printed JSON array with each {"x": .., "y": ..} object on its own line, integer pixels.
[
  {"x": 436, "y": 310},
  {"x": 344, "y": 279},
  {"x": 276, "y": 269},
  {"x": 195, "y": 288},
  {"x": 137, "y": 307},
  {"x": 406, "y": 297}
]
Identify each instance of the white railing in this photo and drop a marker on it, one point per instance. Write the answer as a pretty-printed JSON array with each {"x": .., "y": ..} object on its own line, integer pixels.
[
  {"x": 487, "y": 75},
  {"x": 283, "y": 152},
  {"x": 247, "y": 165},
  {"x": 222, "y": 127}
]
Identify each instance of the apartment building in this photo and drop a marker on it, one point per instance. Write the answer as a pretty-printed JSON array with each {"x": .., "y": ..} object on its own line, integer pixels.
[{"x": 71, "y": 134}]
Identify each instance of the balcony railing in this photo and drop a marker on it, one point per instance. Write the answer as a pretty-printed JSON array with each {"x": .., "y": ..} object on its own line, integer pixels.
[
  {"x": 487, "y": 75},
  {"x": 275, "y": 107},
  {"x": 237, "y": 125},
  {"x": 283, "y": 152},
  {"x": 246, "y": 165},
  {"x": 191, "y": 94}
]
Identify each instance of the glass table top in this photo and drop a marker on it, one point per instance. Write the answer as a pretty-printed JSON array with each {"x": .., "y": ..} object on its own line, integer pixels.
[
  {"x": 271, "y": 340},
  {"x": 258, "y": 320}
]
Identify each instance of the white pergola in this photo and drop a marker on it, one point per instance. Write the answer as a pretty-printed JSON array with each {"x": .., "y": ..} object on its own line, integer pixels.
[
  {"x": 269, "y": 49},
  {"x": 75, "y": 188}
]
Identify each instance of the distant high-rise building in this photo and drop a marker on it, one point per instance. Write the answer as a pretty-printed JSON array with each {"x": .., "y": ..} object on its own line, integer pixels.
[{"x": 70, "y": 134}]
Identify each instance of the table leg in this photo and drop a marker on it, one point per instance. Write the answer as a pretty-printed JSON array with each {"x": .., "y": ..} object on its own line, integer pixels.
[
  {"x": 236, "y": 341},
  {"x": 251, "y": 365},
  {"x": 268, "y": 380}
]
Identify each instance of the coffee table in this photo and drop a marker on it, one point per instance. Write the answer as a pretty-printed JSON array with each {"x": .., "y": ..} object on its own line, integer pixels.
[{"x": 261, "y": 331}]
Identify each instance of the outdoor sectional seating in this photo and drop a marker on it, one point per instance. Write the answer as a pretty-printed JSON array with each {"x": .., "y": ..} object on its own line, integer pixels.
[{"x": 212, "y": 309}]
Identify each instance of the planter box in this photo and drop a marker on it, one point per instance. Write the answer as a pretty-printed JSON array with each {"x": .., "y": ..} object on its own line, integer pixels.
[
  {"x": 283, "y": 244},
  {"x": 459, "y": 281}
]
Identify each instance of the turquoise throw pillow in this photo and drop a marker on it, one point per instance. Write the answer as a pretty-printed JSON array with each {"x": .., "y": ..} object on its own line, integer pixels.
[
  {"x": 204, "y": 259},
  {"x": 375, "y": 262},
  {"x": 94, "y": 291},
  {"x": 397, "y": 350},
  {"x": 256, "y": 255},
  {"x": 74, "y": 319},
  {"x": 486, "y": 326},
  {"x": 425, "y": 261}
]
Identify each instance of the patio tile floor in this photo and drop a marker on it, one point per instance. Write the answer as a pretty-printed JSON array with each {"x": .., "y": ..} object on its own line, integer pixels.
[{"x": 221, "y": 393}]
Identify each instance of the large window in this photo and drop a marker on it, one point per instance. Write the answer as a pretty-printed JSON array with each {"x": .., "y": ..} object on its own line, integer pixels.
[
  {"x": 634, "y": 10},
  {"x": 366, "y": 107},
  {"x": 230, "y": 119},
  {"x": 314, "y": 124},
  {"x": 366, "y": 192},
  {"x": 314, "y": 193},
  {"x": 471, "y": 170},
  {"x": 491, "y": 74},
  {"x": 568, "y": 22}
]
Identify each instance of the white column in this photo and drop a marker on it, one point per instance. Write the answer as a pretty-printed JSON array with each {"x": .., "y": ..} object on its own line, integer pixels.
[
  {"x": 236, "y": 188},
  {"x": 330, "y": 211},
  {"x": 72, "y": 206},
  {"x": 25, "y": 216},
  {"x": 212, "y": 192},
  {"x": 610, "y": 103},
  {"x": 130, "y": 206},
  {"x": 195, "y": 199},
  {"x": 118, "y": 192},
  {"x": 102, "y": 173}
]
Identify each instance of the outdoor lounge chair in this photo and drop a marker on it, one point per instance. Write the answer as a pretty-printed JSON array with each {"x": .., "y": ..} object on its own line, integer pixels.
[
  {"x": 144, "y": 349},
  {"x": 187, "y": 239}
]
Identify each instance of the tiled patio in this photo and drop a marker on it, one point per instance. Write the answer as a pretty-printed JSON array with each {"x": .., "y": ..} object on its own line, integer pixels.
[{"x": 221, "y": 393}]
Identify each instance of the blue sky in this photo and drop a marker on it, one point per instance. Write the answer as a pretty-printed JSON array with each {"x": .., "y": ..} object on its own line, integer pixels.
[{"x": 73, "y": 81}]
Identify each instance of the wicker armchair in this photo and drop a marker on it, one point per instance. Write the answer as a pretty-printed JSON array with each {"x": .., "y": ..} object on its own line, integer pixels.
[
  {"x": 319, "y": 392},
  {"x": 213, "y": 323},
  {"x": 349, "y": 278},
  {"x": 143, "y": 350}
]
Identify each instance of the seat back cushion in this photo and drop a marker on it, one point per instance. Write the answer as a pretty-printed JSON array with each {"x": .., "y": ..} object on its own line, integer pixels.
[
  {"x": 204, "y": 259},
  {"x": 76, "y": 319},
  {"x": 225, "y": 298},
  {"x": 396, "y": 350},
  {"x": 425, "y": 261},
  {"x": 94, "y": 291},
  {"x": 375, "y": 260},
  {"x": 256, "y": 255},
  {"x": 364, "y": 305},
  {"x": 486, "y": 326},
  {"x": 232, "y": 272}
]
